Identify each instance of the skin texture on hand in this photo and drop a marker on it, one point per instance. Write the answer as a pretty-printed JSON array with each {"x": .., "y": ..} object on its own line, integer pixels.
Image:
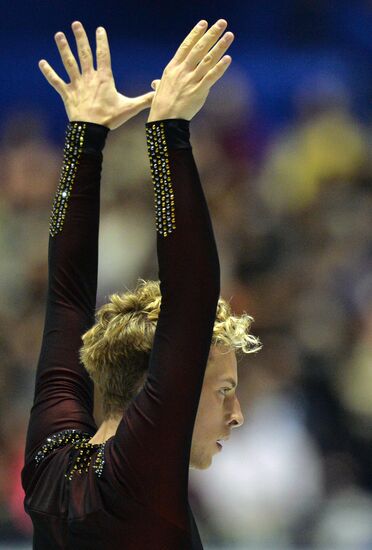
[
  {"x": 196, "y": 66},
  {"x": 91, "y": 95}
]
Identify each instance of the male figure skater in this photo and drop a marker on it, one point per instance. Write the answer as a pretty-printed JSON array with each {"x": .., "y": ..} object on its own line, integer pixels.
[{"x": 162, "y": 356}]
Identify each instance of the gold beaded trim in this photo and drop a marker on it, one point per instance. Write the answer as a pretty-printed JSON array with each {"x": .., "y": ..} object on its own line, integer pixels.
[
  {"x": 80, "y": 441},
  {"x": 84, "y": 458},
  {"x": 75, "y": 134},
  {"x": 160, "y": 173}
]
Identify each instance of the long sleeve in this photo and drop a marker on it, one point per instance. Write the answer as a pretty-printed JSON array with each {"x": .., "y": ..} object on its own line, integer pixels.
[
  {"x": 151, "y": 449},
  {"x": 63, "y": 391}
]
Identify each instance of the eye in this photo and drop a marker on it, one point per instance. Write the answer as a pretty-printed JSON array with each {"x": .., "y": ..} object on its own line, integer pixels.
[{"x": 223, "y": 391}]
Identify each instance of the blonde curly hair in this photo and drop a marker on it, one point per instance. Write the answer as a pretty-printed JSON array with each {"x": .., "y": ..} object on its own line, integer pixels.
[{"x": 116, "y": 349}]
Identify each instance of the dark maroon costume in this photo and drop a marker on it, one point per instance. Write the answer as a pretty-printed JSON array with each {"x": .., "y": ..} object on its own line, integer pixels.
[{"x": 131, "y": 492}]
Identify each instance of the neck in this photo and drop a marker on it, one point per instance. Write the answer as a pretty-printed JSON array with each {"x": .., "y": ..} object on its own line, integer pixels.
[{"x": 106, "y": 430}]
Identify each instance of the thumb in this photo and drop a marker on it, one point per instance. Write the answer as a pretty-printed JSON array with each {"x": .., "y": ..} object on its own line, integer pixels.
[
  {"x": 155, "y": 84},
  {"x": 143, "y": 101}
]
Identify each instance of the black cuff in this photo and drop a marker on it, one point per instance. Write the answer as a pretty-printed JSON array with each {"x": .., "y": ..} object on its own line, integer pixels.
[
  {"x": 177, "y": 132},
  {"x": 94, "y": 136},
  {"x": 81, "y": 137}
]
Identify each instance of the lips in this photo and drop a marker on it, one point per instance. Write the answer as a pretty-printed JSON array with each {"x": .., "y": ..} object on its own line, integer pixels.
[{"x": 220, "y": 442}]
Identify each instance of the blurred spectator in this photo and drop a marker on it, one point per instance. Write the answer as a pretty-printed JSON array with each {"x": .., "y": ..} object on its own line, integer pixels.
[{"x": 325, "y": 146}]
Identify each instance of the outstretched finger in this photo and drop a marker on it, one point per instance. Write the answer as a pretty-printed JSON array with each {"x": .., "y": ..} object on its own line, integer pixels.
[
  {"x": 83, "y": 46},
  {"x": 205, "y": 43},
  {"x": 213, "y": 56},
  {"x": 215, "y": 74},
  {"x": 68, "y": 59},
  {"x": 54, "y": 80},
  {"x": 103, "y": 51},
  {"x": 190, "y": 40}
]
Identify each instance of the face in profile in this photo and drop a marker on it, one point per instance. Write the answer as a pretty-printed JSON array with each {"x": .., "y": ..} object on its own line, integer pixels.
[{"x": 219, "y": 409}]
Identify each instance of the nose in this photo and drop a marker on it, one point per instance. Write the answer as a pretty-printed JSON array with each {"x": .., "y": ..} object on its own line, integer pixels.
[{"x": 237, "y": 418}]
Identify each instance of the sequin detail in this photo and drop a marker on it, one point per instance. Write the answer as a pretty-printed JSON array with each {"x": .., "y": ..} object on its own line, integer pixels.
[
  {"x": 80, "y": 442},
  {"x": 75, "y": 134},
  {"x": 161, "y": 178}
]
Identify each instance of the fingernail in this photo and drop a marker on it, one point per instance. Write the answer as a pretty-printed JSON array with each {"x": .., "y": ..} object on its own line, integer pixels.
[
  {"x": 202, "y": 24},
  {"x": 221, "y": 23}
]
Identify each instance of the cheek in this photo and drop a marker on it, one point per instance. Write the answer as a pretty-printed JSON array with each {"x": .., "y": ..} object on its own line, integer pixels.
[{"x": 210, "y": 413}]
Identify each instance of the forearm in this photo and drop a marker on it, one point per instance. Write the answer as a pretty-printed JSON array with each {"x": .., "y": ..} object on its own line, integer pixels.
[
  {"x": 73, "y": 243},
  {"x": 187, "y": 253}
]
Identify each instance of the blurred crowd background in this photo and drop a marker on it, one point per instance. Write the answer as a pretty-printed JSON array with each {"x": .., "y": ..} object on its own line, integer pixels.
[{"x": 283, "y": 147}]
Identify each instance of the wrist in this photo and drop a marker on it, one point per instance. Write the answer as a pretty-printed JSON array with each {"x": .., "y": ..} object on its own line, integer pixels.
[
  {"x": 90, "y": 119},
  {"x": 176, "y": 132},
  {"x": 92, "y": 135},
  {"x": 97, "y": 115},
  {"x": 156, "y": 117},
  {"x": 166, "y": 112}
]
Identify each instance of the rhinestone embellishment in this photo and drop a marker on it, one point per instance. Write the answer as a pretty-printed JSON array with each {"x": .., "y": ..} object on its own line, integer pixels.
[
  {"x": 161, "y": 178},
  {"x": 71, "y": 154},
  {"x": 84, "y": 458},
  {"x": 80, "y": 441}
]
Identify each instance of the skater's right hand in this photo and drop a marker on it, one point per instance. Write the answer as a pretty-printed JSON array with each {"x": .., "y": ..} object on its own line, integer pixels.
[{"x": 91, "y": 94}]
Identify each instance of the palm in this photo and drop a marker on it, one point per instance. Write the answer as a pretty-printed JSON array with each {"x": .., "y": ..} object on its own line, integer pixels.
[
  {"x": 91, "y": 94},
  {"x": 97, "y": 94}
]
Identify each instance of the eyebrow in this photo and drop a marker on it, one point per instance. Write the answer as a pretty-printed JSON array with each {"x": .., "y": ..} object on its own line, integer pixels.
[{"x": 230, "y": 381}]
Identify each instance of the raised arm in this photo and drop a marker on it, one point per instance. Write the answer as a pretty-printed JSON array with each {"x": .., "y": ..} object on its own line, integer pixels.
[
  {"x": 63, "y": 391},
  {"x": 151, "y": 449}
]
